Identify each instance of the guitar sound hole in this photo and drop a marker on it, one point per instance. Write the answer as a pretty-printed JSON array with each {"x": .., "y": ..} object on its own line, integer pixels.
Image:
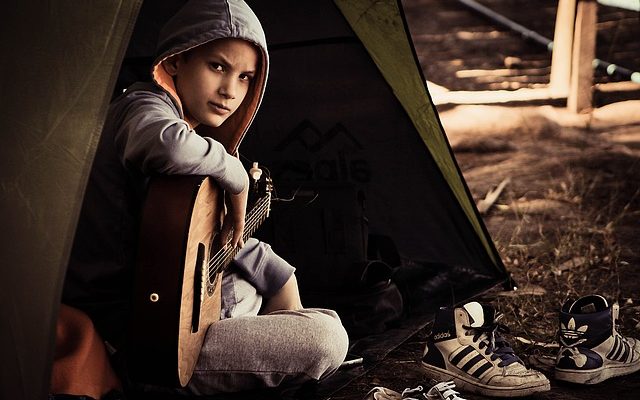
[{"x": 197, "y": 289}]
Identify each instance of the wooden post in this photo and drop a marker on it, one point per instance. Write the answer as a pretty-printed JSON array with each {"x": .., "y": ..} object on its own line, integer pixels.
[
  {"x": 562, "y": 43},
  {"x": 584, "y": 52}
]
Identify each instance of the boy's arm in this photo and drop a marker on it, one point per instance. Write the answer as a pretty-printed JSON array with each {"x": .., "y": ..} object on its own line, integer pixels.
[{"x": 154, "y": 139}]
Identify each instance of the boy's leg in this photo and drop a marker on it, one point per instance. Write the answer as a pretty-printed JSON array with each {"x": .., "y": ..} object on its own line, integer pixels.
[
  {"x": 248, "y": 351},
  {"x": 287, "y": 298},
  {"x": 284, "y": 347}
]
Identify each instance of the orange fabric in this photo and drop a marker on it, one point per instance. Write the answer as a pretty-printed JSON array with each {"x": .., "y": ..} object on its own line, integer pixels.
[
  {"x": 81, "y": 365},
  {"x": 165, "y": 80}
]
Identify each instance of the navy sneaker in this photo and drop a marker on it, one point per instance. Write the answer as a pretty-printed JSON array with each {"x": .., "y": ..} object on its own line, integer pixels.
[
  {"x": 591, "y": 350},
  {"x": 466, "y": 347}
]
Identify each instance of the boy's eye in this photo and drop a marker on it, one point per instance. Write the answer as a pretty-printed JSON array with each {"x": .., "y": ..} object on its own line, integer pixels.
[
  {"x": 216, "y": 66},
  {"x": 245, "y": 77}
]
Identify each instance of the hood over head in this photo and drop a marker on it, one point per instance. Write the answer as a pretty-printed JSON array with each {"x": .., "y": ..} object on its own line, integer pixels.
[{"x": 199, "y": 22}]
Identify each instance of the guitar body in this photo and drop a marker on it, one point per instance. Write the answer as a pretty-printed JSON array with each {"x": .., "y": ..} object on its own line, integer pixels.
[{"x": 174, "y": 298}]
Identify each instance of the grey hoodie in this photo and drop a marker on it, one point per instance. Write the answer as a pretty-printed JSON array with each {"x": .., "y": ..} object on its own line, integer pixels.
[{"x": 145, "y": 134}]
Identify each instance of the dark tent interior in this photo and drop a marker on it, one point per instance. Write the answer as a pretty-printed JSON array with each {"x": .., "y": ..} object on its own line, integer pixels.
[{"x": 362, "y": 207}]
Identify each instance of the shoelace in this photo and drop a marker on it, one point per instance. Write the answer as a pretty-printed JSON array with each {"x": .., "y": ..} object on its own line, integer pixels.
[
  {"x": 446, "y": 391},
  {"x": 440, "y": 391},
  {"x": 490, "y": 336}
]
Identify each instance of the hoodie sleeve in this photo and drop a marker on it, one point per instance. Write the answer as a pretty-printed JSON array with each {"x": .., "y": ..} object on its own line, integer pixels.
[
  {"x": 154, "y": 139},
  {"x": 262, "y": 267}
]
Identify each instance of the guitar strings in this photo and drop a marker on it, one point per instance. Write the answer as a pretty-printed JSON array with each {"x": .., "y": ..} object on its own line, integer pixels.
[
  {"x": 253, "y": 219},
  {"x": 256, "y": 216},
  {"x": 223, "y": 254}
]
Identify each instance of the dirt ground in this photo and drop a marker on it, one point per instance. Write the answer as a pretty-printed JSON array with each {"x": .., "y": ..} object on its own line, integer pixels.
[{"x": 566, "y": 222}]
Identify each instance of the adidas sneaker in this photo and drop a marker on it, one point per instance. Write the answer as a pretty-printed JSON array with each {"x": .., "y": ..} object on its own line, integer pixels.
[
  {"x": 591, "y": 350},
  {"x": 466, "y": 346}
]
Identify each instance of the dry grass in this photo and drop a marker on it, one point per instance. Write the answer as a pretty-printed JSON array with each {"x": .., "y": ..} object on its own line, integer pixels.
[{"x": 572, "y": 255}]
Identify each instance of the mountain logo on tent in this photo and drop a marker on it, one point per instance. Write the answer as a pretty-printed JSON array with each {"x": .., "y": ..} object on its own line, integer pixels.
[
  {"x": 313, "y": 140},
  {"x": 330, "y": 156},
  {"x": 339, "y": 168}
]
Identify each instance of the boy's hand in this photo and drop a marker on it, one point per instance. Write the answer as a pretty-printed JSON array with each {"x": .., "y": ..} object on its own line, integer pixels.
[{"x": 234, "y": 218}]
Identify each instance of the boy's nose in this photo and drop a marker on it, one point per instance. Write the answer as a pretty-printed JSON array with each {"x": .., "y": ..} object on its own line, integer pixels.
[{"x": 227, "y": 89}]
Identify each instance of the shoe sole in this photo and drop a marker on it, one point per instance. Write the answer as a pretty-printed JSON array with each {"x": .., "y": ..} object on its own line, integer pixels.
[
  {"x": 596, "y": 375},
  {"x": 464, "y": 384}
]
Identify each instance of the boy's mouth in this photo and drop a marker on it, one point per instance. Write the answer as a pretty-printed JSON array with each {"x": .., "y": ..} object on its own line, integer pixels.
[{"x": 219, "y": 108}]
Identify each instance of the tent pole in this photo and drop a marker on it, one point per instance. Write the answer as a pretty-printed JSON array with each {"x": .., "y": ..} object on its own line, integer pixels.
[{"x": 526, "y": 33}]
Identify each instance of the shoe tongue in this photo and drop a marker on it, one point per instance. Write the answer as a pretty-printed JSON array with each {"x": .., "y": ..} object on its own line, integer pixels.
[
  {"x": 589, "y": 304},
  {"x": 476, "y": 313}
]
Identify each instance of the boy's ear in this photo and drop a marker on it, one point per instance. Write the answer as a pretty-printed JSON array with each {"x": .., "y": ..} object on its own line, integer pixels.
[{"x": 171, "y": 64}]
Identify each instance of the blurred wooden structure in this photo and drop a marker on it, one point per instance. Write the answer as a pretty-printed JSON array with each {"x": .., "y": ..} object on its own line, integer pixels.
[
  {"x": 573, "y": 53},
  {"x": 562, "y": 48}
]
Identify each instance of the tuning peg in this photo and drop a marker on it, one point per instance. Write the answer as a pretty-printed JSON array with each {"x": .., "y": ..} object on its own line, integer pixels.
[{"x": 255, "y": 172}]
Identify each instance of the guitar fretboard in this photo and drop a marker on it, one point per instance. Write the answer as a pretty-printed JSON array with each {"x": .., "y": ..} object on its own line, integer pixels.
[{"x": 253, "y": 220}]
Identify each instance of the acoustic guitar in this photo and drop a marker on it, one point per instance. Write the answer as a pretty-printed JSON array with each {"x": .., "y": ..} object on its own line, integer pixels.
[{"x": 177, "y": 283}]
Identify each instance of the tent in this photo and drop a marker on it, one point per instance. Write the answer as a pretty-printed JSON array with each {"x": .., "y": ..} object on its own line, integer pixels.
[
  {"x": 347, "y": 129},
  {"x": 59, "y": 66}
]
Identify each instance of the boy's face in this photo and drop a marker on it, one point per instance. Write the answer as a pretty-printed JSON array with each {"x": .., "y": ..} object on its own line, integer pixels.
[{"x": 213, "y": 79}]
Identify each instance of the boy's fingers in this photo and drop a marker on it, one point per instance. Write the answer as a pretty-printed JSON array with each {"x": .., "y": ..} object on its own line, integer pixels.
[
  {"x": 224, "y": 235},
  {"x": 238, "y": 231},
  {"x": 225, "y": 232},
  {"x": 237, "y": 241}
]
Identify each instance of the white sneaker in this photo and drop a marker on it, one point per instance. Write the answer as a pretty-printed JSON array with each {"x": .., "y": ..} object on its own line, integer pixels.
[{"x": 465, "y": 346}]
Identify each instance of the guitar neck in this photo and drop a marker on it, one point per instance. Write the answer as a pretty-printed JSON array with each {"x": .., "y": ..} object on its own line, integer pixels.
[
  {"x": 256, "y": 217},
  {"x": 253, "y": 220}
]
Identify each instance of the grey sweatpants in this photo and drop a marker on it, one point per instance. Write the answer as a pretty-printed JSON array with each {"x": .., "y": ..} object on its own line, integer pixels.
[{"x": 249, "y": 351}]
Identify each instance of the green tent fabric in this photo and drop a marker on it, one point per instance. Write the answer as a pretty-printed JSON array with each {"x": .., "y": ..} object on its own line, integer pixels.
[
  {"x": 60, "y": 61},
  {"x": 377, "y": 25},
  {"x": 346, "y": 114}
]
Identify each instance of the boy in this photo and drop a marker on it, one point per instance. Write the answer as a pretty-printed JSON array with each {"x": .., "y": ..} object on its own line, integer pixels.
[{"x": 211, "y": 71}]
